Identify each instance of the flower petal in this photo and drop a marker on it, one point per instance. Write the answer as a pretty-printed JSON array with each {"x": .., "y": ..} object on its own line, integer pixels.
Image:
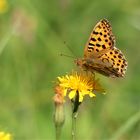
[
  {"x": 80, "y": 97},
  {"x": 92, "y": 94},
  {"x": 72, "y": 94}
]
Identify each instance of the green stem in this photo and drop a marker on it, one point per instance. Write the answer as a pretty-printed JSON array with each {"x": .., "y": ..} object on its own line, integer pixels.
[
  {"x": 73, "y": 133},
  {"x": 58, "y": 132},
  {"x": 75, "y": 106}
]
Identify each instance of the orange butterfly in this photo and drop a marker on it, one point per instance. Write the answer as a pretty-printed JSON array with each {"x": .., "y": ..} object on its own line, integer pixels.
[{"x": 100, "y": 53}]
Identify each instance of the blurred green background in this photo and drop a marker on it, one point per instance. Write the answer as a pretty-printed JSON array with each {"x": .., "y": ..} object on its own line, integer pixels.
[{"x": 32, "y": 35}]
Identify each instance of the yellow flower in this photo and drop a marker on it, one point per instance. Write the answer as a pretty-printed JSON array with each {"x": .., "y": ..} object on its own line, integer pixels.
[
  {"x": 4, "y": 136},
  {"x": 3, "y": 6},
  {"x": 82, "y": 83}
]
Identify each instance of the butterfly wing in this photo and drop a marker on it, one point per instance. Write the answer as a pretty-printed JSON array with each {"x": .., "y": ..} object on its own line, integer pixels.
[
  {"x": 112, "y": 63},
  {"x": 100, "y": 41},
  {"x": 100, "y": 53}
]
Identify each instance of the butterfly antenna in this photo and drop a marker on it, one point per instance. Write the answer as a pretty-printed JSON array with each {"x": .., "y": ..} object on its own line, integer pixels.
[
  {"x": 61, "y": 54},
  {"x": 69, "y": 48}
]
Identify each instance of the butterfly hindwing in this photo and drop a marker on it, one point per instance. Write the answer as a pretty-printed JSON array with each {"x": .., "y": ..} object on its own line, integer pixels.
[{"x": 117, "y": 61}]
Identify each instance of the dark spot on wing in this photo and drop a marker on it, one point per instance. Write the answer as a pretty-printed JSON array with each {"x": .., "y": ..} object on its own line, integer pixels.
[
  {"x": 106, "y": 40},
  {"x": 112, "y": 59},
  {"x": 109, "y": 43},
  {"x": 124, "y": 62},
  {"x": 120, "y": 56},
  {"x": 95, "y": 32},
  {"x": 97, "y": 50},
  {"x": 99, "y": 27},
  {"x": 91, "y": 48},
  {"x": 101, "y": 33},
  {"x": 103, "y": 46},
  {"x": 99, "y": 39},
  {"x": 93, "y": 39},
  {"x": 122, "y": 66},
  {"x": 91, "y": 44},
  {"x": 114, "y": 56},
  {"x": 98, "y": 45}
]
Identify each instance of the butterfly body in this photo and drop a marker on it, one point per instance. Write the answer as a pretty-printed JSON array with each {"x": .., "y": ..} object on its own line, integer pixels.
[{"x": 100, "y": 53}]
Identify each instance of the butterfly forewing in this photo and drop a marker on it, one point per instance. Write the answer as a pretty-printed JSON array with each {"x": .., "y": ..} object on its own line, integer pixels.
[{"x": 100, "y": 40}]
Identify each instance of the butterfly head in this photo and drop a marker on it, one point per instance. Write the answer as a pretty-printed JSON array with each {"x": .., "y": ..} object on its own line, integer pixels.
[{"x": 79, "y": 62}]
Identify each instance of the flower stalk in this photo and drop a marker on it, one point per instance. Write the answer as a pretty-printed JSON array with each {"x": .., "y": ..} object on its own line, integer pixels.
[
  {"x": 74, "y": 118},
  {"x": 75, "y": 106}
]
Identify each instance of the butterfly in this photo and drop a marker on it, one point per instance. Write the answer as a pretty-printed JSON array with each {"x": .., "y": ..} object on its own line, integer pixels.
[{"x": 100, "y": 53}]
